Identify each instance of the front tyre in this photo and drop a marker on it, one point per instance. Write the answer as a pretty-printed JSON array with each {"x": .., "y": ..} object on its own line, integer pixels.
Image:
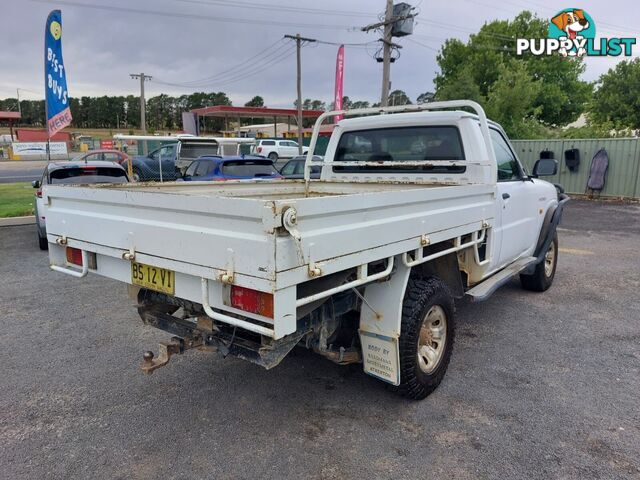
[
  {"x": 545, "y": 271},
  {"x": 426, "y": 336}
]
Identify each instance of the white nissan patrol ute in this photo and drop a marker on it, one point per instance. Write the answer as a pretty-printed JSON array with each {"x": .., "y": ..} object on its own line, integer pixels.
[{"x": 417, "y": 206}]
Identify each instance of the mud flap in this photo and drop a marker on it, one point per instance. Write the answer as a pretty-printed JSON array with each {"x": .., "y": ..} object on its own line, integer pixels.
[{"x": 381, "y": 357}]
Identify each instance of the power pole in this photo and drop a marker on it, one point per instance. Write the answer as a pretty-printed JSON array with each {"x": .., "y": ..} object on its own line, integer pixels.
[
  {"x": 143, "y": 105},
  {"x": 19, "y": 108},
  {"x": 299, "y": 41},
  {"x": 386, "y": 55},
  {"x": 387, "y": 45}
]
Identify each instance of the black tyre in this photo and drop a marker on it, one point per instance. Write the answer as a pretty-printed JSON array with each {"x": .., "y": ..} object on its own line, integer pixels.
[
  {"x": 545, "y": 271},
  {"x": 426, "y": 336},
  {"x": 136, "y": 177},
  {"x": 273, "y": 156},
  {"x": 42, "y": 242}
]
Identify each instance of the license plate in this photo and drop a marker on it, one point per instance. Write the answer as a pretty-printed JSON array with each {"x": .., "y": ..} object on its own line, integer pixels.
[{"x": 159, "y": 279}]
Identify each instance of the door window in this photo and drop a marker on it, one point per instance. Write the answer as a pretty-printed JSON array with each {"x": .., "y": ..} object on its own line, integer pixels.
[
  {"x": 289, "y": 168},
  {"x": 508, "y": 167},
  {"x": 204, "y": 168}
]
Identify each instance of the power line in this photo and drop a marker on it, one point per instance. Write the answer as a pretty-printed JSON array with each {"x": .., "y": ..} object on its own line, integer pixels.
[
  {"x": 194, "y": 16},
  {"x": 235, "y": 69}
]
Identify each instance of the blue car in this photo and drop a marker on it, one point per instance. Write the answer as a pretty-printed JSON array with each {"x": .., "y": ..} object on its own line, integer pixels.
[{"x": 243, "y": 167}]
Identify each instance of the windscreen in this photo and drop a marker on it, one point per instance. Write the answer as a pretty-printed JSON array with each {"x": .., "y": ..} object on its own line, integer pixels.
[
  {"x": 87, "y": 175},
  {"x": 401, "y": 144},
  {"x": 248, "y": 168}
]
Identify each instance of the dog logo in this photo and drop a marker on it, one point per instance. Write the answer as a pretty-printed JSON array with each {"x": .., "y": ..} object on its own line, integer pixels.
[
  {"x": 572, "y": 33},
  {"x": 574, "y": 25}
]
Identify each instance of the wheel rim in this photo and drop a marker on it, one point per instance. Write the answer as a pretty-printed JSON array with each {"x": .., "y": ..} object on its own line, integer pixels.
[
  {"x": 136, "y": 177},
  {"x": 549, "y": 259},
  {"x": 433, "y": 339}
]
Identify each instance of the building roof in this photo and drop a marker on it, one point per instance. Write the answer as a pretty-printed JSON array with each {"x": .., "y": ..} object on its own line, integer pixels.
[
  {"x": 9, "y": 115},
  {"x": 231, "y": 111}
]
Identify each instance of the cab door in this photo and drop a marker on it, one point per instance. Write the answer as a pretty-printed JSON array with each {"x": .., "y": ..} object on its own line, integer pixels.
[{"x": 516, "y": 202}]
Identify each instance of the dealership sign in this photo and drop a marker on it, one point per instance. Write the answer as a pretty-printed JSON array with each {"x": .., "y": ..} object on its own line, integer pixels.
[
  {"x": 25, "y": 149},
  {"x": 572, "y": 33}
]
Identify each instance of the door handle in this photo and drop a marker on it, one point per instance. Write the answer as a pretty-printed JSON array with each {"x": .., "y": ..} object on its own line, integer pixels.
[{"x": 505, "y": 196}]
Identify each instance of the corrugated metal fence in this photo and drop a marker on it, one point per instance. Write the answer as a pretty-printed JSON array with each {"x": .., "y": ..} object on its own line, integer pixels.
[{"x": 624, "y": 163}]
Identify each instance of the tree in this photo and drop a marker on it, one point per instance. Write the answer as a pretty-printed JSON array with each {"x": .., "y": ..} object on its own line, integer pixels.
[
  {"x": 616, "y": 99},
  {"x": 256, "y": 101},
  {"x": 425, "y": 97},
  {"x": 475, "y": 69},
  {"x": 360, "y": 104},
  {"x": 398, "y": 97}
]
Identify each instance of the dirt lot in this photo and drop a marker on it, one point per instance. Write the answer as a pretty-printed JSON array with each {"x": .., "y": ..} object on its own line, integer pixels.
[{"x": 540, "y": 385}]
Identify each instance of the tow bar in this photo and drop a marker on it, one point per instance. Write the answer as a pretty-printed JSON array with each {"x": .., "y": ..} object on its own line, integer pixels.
[{"x": 177, "y": 346}]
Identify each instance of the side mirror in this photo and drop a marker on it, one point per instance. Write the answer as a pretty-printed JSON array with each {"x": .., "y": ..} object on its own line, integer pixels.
[
  {"x": 35, "y": 184},
  {"x": 545, "y": 167}
]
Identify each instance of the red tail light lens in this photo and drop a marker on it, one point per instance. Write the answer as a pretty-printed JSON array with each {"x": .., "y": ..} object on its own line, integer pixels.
[
  {"x": 252, "y": 301},
  {"x": 39, "y": 193},
  {"x": 259, "y": 149},
  {"x": 74, "y": 256}
]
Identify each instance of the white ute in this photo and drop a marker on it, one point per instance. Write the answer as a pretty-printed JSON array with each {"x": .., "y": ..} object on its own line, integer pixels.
[{"x": 415, "y": 208}]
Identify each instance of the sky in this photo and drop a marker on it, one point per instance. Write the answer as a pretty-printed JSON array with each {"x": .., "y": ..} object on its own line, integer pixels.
[{"x": 191, "y": 45}]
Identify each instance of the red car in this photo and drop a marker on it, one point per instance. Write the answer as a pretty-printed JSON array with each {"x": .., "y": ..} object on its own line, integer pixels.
[{"x": 102, "y": 156}]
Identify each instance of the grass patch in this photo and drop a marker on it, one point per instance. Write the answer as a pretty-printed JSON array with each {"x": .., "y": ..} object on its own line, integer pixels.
[{"x": 16, "y": 199}]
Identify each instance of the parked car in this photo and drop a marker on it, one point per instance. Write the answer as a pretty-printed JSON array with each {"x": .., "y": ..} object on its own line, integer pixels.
[
  {"x": 178, "y": 153},
  {"x": 72, "y": 172},
  {"x": 294, "y": 168},
  {"x": 102, "y": 156},
  {"x": 275, "y": 149},
  {"x": 243, "y": 167},
  {"x": 159, "y": 165}
]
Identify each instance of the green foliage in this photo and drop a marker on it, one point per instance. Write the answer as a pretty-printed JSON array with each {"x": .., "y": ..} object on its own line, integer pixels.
[
  {"x": 398, "y": 97},
  {"x": 523, "y": 93},
  {"x": 256, "y": 101},
  {"x": 617, "y": 98}
]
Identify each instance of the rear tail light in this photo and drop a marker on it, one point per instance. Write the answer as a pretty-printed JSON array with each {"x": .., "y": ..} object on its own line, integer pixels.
[
  {"x": 39, "y": 193},
  {"x": 252, "y": 301},
  {"x": 259, "y": 149},
  {"x": 74, "y": 256}
]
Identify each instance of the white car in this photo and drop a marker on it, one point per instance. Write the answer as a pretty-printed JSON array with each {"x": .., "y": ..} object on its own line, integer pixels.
[
  {"x": 275, "y": 149},
  {"x": 414, "y": 209}
]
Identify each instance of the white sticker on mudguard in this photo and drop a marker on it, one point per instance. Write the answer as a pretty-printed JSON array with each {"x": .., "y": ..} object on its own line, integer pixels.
[{"x": 380, "y": 357}]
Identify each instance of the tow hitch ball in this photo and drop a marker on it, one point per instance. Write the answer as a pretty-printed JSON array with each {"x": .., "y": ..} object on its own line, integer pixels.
[{"x": 166, "y": 350}]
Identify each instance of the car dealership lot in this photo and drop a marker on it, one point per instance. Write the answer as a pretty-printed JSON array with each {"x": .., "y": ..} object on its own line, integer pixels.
[{"x": 539, "y": 386}]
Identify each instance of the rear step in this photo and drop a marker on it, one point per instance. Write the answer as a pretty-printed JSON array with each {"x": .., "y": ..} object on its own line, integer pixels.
[{"x": 483, "y": 290}]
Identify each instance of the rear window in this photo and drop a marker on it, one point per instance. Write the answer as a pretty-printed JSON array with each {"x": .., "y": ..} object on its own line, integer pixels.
[
  {"x": 87, "y": 175},
  {"x": 267, "y": 142},
  {"x": 194, "y": 150},
  {"x": 402, "y": 144},
  {"x": 247, "y": 168}
]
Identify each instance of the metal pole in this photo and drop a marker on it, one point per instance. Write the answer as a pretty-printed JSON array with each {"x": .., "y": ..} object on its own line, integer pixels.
[
  {"x": 299, "y": 87},
  {"x": 299, "y": 41},
  {"x": 19, "y": 108},
  {"x": 386, "y": 56},
  {"x": 143, "y": 107}
]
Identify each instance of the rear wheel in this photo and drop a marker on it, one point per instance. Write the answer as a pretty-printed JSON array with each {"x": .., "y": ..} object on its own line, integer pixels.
[
  {"x": 136, "y": 175},
  {"x": 273, "y": 156},
  {"x": 545, "y": 271},
  {"x": 426, "y": 338}
]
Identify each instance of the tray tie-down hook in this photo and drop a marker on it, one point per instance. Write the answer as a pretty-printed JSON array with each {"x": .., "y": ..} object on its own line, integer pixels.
[{"x": 290, "y": 224}]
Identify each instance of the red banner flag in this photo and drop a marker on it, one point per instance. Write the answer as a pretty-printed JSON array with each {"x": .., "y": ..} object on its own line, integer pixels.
[{"x": 337, "y": 101}]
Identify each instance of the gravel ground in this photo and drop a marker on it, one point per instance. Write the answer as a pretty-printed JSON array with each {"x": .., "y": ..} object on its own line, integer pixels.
[{"x": 540, "y": 385}]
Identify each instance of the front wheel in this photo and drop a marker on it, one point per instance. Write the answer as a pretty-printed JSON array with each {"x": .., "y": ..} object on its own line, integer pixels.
[
  {"x": 545, "y": 271},
  {"x": 426, "y": 336},
  {"x": 136, "y": 175},
  {"x": 273, "y": 156}
]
